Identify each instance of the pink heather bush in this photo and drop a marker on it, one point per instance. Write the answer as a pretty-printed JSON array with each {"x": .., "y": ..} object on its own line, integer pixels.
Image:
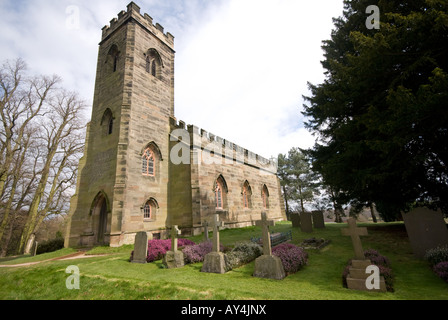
[
  {"x": 157, "y": 248},
  {"x": 293, "y": 257},
  {"x": 441, "y": 269},
  {"x": 196, "y": 253}
]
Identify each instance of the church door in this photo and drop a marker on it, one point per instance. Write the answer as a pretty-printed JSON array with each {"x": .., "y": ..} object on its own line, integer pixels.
[{"x": 102, "y": 221}]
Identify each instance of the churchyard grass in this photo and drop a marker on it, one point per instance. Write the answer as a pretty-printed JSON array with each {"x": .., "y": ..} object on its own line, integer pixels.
[{"x": 112, "y": 276}]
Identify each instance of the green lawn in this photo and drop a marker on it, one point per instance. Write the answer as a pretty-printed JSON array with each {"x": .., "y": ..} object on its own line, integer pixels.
[{"x": 113, "y": 277}]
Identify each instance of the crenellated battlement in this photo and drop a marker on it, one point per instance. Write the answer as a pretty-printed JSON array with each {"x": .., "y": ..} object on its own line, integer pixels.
[
  {"x": 133, "y": 12},
  {"x": 219, "y": 147}
]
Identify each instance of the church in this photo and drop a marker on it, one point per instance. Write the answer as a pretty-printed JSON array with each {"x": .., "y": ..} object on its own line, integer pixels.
[{"x": 145, "y": 170}]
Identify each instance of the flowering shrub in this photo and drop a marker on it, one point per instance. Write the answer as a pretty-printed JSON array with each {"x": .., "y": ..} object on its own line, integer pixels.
[
  {"x": 376, "y": 258},
  {"x": 293, "y": 257},
  {"x": 441, "y": 269},
  {"x": 243, "y": 253},
  {"x": 157, "y": 248},
  {"x": 437, "y": 255},
  {"x": 196, "y": 253}
]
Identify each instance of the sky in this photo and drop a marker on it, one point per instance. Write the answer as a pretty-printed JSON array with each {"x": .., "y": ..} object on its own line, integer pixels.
[{"x": 241, "y": 68}]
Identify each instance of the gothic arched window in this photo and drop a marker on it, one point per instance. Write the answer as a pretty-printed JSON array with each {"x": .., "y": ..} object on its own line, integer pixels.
[
  {"x": 148, "y": 163},
  {"x": 153, "y": 63},
  {"x": 247, "y": 193},
  {"x": 150, "y": 209},
  {"x": 265, "y": 196}
]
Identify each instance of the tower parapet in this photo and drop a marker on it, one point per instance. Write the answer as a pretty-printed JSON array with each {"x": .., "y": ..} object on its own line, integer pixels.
[{"x": 146, "y": 21}]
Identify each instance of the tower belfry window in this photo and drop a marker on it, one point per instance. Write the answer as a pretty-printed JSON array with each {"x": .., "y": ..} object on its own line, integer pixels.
[{"x": 153, "y": 63}]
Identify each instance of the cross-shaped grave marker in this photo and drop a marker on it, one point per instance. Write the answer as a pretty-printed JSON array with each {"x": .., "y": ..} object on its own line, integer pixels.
[
  {"x": 174, "y": 258},
  {"x": 354, "y": 232},
  {"x": 214, "y": 261},
  {"x": 267, "y": 265},
  {"x": 216, "y": 225},
  {"x": 264, "y": 223},
  {"x": 174, "y": 233}
]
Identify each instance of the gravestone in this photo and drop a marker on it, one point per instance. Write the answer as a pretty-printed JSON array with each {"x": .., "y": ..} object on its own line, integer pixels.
[
  {"x": 295, "y": 219},
  {"x": 354, "y": 232},
  {"x": 174, "y": 258},
  {"x": 357, "y": 276},
  {"x": 214, "y": 262},
  {"x": 426, "y": 230},
  {"x": 267, "y": 265},
  {"x": 205, "y": 224},
  {"x": 318, "y": 219},
  {"x": 306, "y": 224},
  {"x": 140, "y": 247}
]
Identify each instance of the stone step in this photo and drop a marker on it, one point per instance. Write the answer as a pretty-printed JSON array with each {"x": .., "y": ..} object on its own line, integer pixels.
[
  {"x": 361, "y": 264},
  {"x": 360, "y": 284},
  {"x": 357, "y": 273}
]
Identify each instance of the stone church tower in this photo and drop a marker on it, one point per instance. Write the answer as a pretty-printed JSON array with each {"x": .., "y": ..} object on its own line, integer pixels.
[{"x": 126, "y": 181}]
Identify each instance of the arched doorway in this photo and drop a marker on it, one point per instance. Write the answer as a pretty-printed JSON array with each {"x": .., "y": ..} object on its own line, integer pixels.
[{"x": 100, "y": 219}]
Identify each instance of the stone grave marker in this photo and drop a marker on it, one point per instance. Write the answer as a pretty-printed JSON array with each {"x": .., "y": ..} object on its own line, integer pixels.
[
  {"x": 267, "y": 265},
  {"x": 357, "y": 276},
  {"x": 306, "y": 224},
  {"x": 174, "y": 258},
  {"x": 214, "y": 261},
  {"x": 426, "y": 229},
  {"x": 318, "y": 219},
  {"x": 295, "y": 219},
  {"x": 140, "y": 247}
]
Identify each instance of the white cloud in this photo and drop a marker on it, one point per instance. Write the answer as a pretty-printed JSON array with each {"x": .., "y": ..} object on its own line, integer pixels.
[{"x": 241, "y": 65}]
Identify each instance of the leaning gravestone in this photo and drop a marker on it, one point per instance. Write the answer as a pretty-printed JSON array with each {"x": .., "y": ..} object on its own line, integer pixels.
[
  {"x": 140, "y": 247},
  {"x": 357, "y": 276},
  {"x": 318, "y": 219},
  {"x": 34, "y": 248},
  {"x": 295, "y": 219},
  {"x": 306, "y": 224},
  {"x": 174, "y": 258},
  {"x": 426, "y": 230},
  {"x": 214, "y": 262},
  {"x": 267, "y": 265}
]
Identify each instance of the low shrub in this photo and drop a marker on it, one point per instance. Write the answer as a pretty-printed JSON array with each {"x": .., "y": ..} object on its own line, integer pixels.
[
  {"x": 157, "y": 248},
  {"x": 241, "y": 254},
  {"x": 441, "y": 269},
  {"x": 376, "y": 258},
  {"x": 437, "y": 255},
  {"x": 196, "y": 253},
  {"x": 50, "y": 245},
  {"x": 293, "y": 257}
]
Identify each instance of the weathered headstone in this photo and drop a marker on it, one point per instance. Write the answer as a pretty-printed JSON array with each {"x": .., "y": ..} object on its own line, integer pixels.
[
  {"x": 214, "y": 261},
  {"x": 318, "y": 219},
  {"x": 306, "y": 224},
  {"x": 267, "y": 265},
  {"x": 140, "y": 247},
  {"x": 205, "y": 224},
  {"x": 295, "y": 219},
  {"x": 426, "y": 230},
  {"x": 357, "y": 276},
  {"x": 174, "y": 258}
]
